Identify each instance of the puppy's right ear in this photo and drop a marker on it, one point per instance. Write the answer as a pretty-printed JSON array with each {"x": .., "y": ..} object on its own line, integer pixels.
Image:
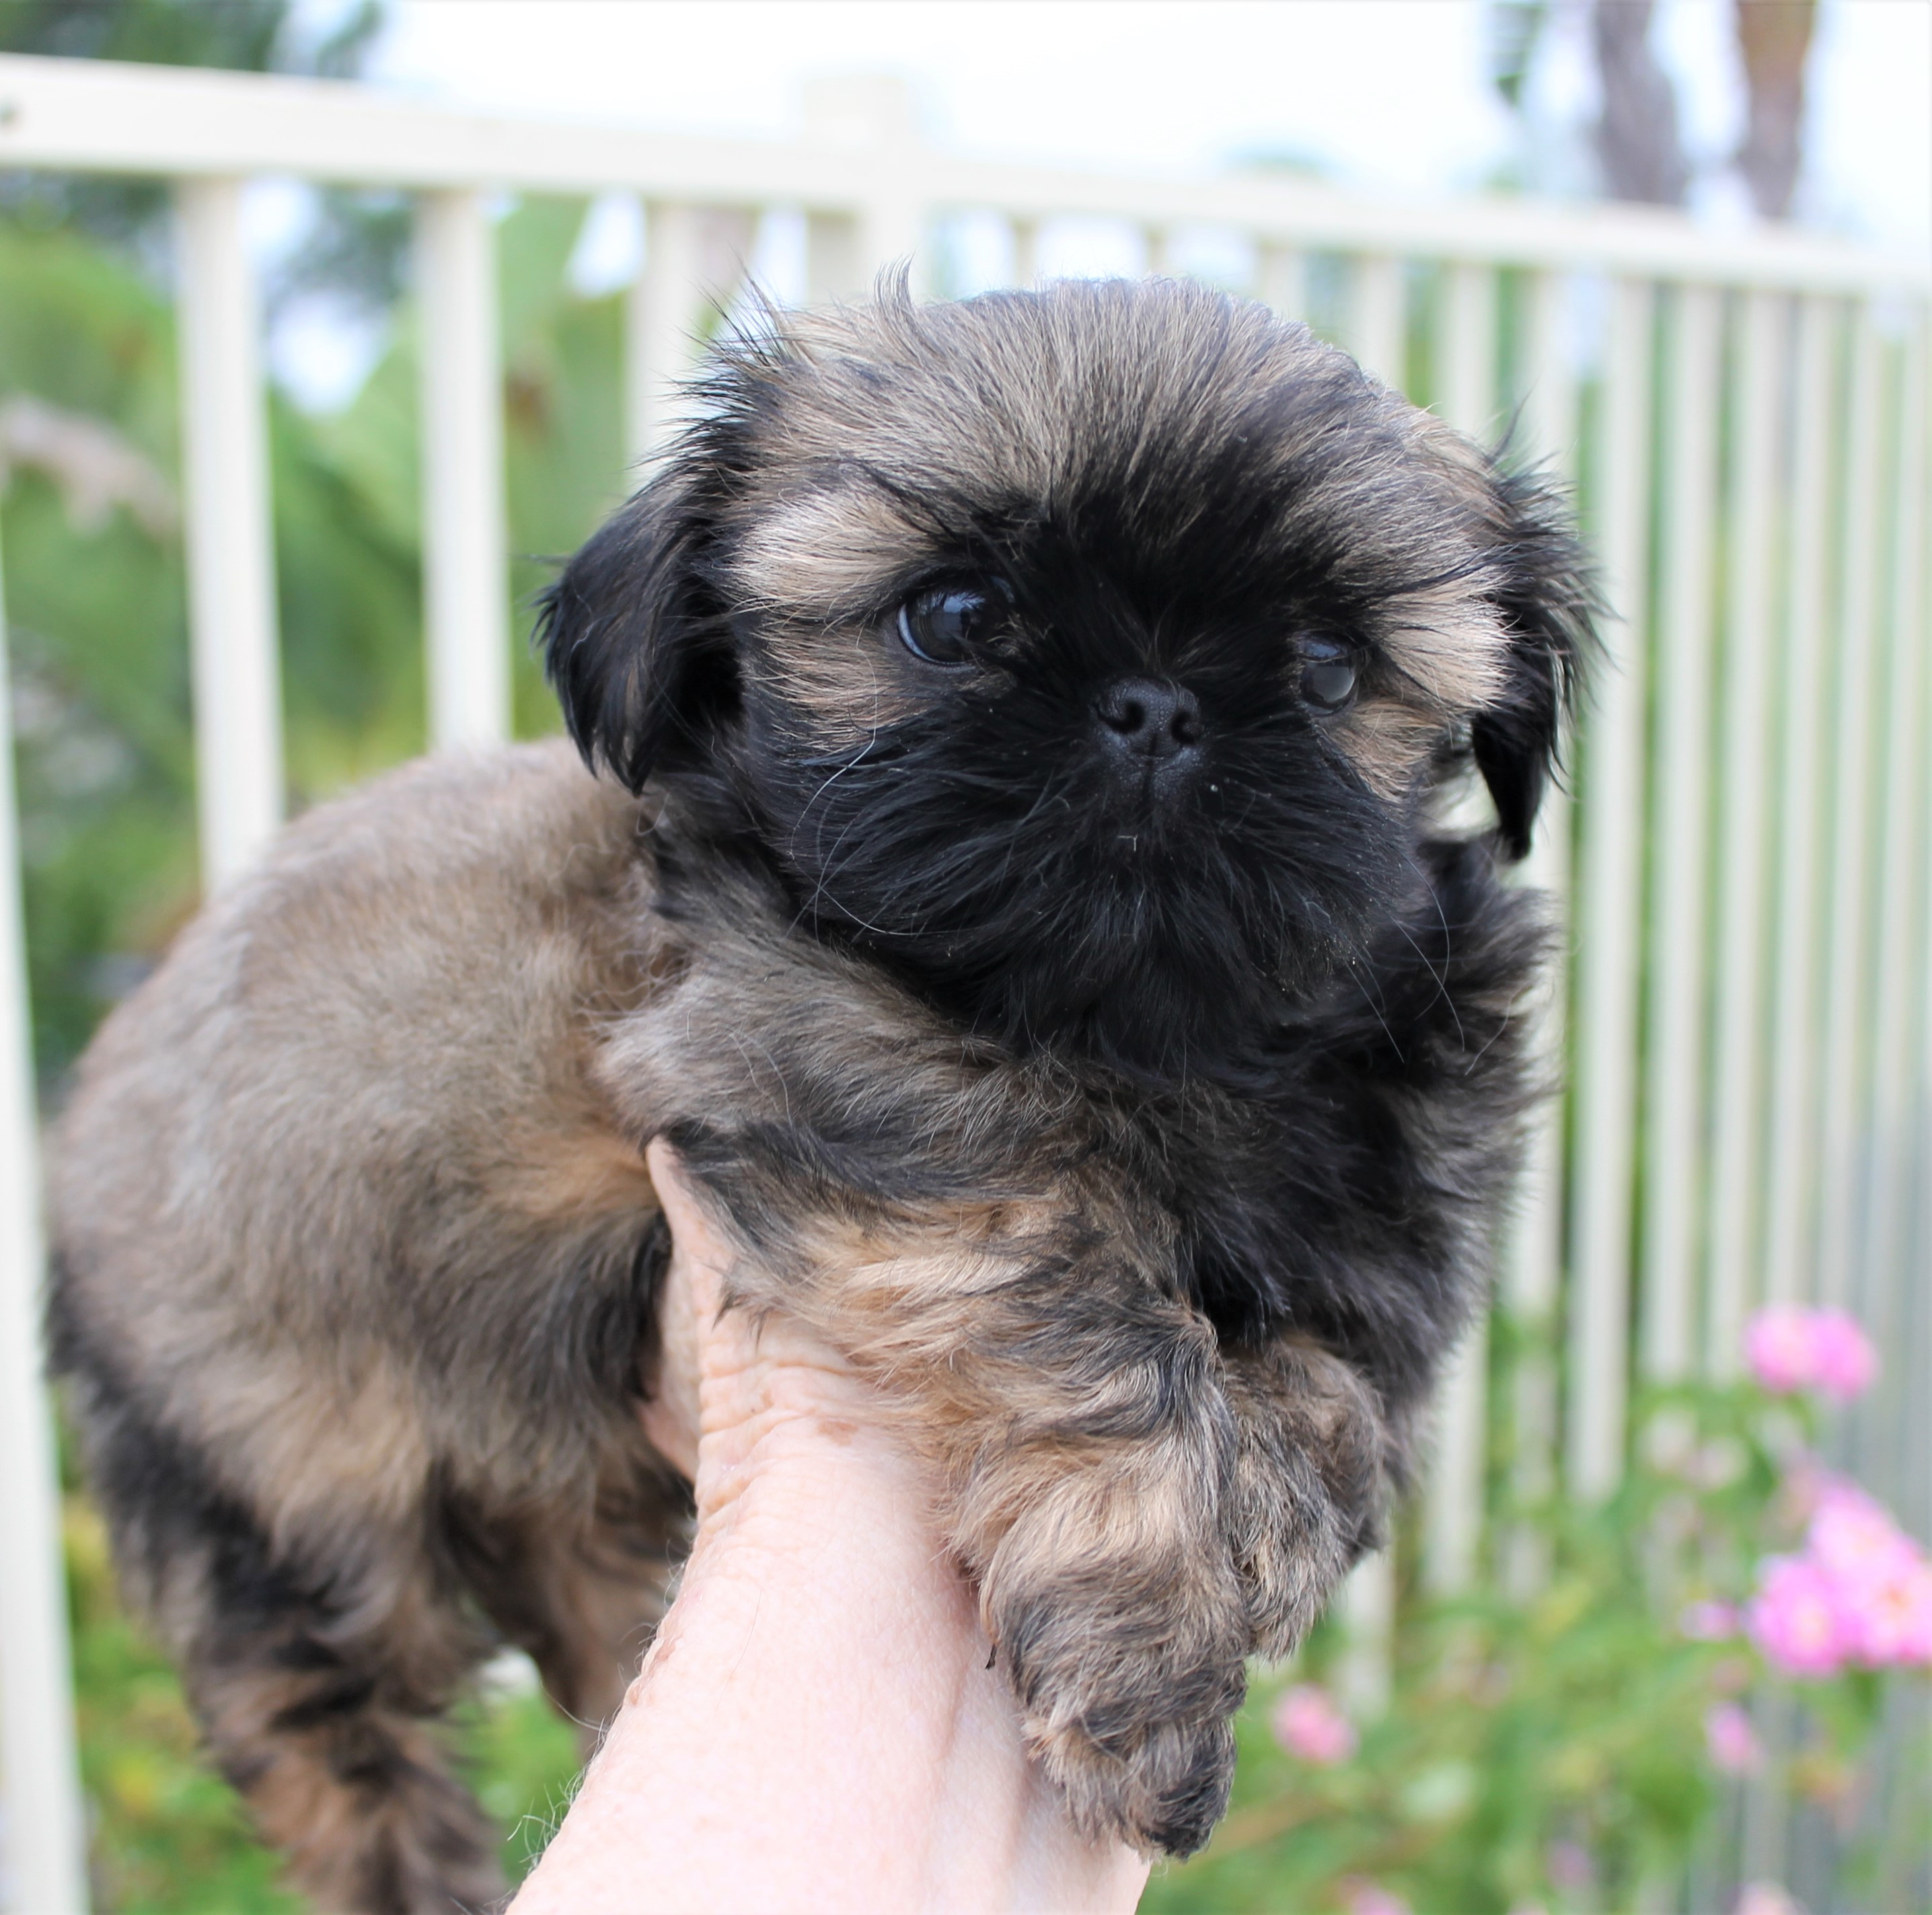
[{"x": 635, "y": 637}]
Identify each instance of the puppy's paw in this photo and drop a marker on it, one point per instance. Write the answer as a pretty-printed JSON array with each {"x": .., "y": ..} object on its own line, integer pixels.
[
  {"x": 1161, "y": 1794},
  {"x": 1127, "y": 1674},
  {"x": 1307, "y": 1486}
]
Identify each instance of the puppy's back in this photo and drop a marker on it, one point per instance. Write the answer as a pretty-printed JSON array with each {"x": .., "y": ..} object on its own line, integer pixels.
[{"x": 322, "y": 1154}]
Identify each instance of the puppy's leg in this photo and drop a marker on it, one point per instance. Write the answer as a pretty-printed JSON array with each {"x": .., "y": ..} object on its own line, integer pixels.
[
  {"x": 316, "y": 1670},
  {"x": 319, "y": 1704},
  {"x": 581, "y": 1592},
  {"x": 1312, "y": 1461}
]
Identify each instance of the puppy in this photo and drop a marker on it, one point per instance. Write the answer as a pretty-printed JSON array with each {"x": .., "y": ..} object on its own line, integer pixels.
[{"x": 1014, "y": 886}]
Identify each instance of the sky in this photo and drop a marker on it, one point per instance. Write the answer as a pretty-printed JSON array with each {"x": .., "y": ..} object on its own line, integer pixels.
[{"x": 1387, "y": 95}]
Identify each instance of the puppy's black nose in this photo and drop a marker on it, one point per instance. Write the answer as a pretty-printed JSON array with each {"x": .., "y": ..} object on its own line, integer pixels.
[{"x": 1147, "y": 719}]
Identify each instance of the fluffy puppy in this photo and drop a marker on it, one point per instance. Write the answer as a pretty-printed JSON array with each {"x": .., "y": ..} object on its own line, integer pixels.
[{"x": 1014, "y": 888}]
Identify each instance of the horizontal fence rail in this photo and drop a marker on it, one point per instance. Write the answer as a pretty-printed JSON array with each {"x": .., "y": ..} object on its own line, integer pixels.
[{"x": 1743, "y": 868}]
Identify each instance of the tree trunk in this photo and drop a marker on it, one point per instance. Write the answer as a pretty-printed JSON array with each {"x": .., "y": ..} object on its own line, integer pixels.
[
  {"x": 1637, "y": 136},
  {"x": 1773, "y": 37}
]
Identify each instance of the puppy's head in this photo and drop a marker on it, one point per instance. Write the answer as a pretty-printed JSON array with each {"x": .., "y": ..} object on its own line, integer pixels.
[{"x": 1090, "y": 655}]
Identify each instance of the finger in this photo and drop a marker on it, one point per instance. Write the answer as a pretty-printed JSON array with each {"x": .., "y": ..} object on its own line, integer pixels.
[{"x": 705, "y": 1256}]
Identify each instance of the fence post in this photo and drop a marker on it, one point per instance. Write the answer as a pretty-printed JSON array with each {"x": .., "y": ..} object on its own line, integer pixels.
[
  {"x": 1453, "y": 1534},
  {"x": 847, "y": 252},
  {"x": 43, "y": 1843},
  {"x": 466, "y": 575},
  {"x": 1907, "y": 813},
  {"x": 1533, "y": 1267},
  {"x": 658, "y": 317},
  {"x": 1281, "y": 278},
  {"x": 1026, "y": 251},
  {"x": 1854, "y": 828},
  {"x": 231, "y": 565},
  {"x": 1791, "y": 1189},
  {"x": 1378, "y": 318},
  {"x": 1610, "y": 863},
  {"x": 1737, "y": 1106},
  {"x": 1680, "y": 800}
]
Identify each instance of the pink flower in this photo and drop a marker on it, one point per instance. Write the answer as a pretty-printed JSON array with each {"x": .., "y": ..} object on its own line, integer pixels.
[
  {"x": 1843, "y": 1361},
  {"x": 1794, "y": 1618},
  {"x": 1571, "y": 1867},
  {"x": 1360, "y": 1896},
  {"x": 1887, "y": 1612},
  {"x": 1766, "y": 1899},
  {"x": 1777, "y": 1346},
  {"x": 1881, "y": 1581},
  {"x": 1307, "y": 1725},
  {"x": 1790, "y": 1348},
  {"x": 1708, "y": 1621},
  {"x": 1731, "y": 1740}
]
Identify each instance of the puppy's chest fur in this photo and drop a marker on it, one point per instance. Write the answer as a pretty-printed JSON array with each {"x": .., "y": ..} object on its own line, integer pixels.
[{"x": 1340, "y": 1183}]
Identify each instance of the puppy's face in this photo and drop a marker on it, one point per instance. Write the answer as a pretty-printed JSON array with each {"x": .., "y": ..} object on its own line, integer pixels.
[{"x": 1088, "y": 655}]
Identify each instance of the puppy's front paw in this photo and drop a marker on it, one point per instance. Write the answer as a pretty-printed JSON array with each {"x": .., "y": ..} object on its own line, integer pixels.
[
  {"x": 1307, "y": 1487},
  {"x": 1128, "y": 1663}
]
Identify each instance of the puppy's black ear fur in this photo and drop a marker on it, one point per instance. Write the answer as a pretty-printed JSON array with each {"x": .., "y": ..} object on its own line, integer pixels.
[
  {"x": 1548, "y": 597},
  {"x": 635, "y": 634}
]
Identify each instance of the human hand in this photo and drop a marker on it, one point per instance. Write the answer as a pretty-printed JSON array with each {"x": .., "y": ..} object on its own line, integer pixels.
[{"x": 817, "y": 1725}]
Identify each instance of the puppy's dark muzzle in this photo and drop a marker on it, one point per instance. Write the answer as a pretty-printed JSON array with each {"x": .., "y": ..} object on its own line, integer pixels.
[{"x": 1146, "y": 725}]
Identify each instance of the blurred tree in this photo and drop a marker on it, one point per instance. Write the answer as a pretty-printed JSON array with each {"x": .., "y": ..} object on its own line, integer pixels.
[
  {"x": 357, "y": 243},
  {"x": 1516, "y": 26},
  {"x": 1773, "y": 39},
  {"x": 1640, "y": 153},
  {"x": 1637, "y": 139}
]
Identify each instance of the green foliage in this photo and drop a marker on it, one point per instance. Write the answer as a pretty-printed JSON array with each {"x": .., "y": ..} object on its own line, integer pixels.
[
  {"x": 254, "y": 36},
  {"x": 96, "y": 597}
]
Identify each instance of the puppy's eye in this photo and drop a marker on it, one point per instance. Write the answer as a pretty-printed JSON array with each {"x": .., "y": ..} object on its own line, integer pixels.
[
  {"x": 1328, "y": 674},
  {"x": 943, "y": 625}
]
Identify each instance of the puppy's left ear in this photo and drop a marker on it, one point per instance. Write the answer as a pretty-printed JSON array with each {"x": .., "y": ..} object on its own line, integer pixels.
[
  {"x": 635, "y": 634},
  {"x": 1546, "y": 591}
]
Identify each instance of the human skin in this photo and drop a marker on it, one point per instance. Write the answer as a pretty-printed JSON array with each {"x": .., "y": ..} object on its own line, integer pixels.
[{"x": 818, "y": 1725}]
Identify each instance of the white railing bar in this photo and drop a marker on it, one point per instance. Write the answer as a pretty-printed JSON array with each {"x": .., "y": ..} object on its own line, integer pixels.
[
  {"x": 1906, "y": 840},
  {"x": 1281, "y": 279},
  {"x": 1533, "y": 1268},
  {"x": 230, "y": 540},
  {"x": 1743, "y": 860},
  {"x": 105, "y": 116},
  {"x": 43, "y": 1841},
  {"x": 833, "y": 268},
  {"x": 1453, "y": 1529},
  {"x": 1680, "y": 804},
  {"x": 1452, "y": 1513},
  {"x": 1848, "y": 935},
  {"x": 660, "y": 321},
  {"x": 891, "y": 233},
  {"x": 1026, "y": 251},
  {"x": 1468, "y": 381},
  {"x": 1378, "y": 321},
  {"x": 1156, "y": 260},
  {"x": 1365, "y": 1670},
  {"x": 1791, "y": 1180},
  {"x": 1609, "y": 917},
  {"x": 466, "y": 580},
  {"x": 1549, "y": 380}
]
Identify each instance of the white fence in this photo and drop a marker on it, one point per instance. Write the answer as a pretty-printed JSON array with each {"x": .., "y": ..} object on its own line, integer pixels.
[{"x": 1751, "y": 864}]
